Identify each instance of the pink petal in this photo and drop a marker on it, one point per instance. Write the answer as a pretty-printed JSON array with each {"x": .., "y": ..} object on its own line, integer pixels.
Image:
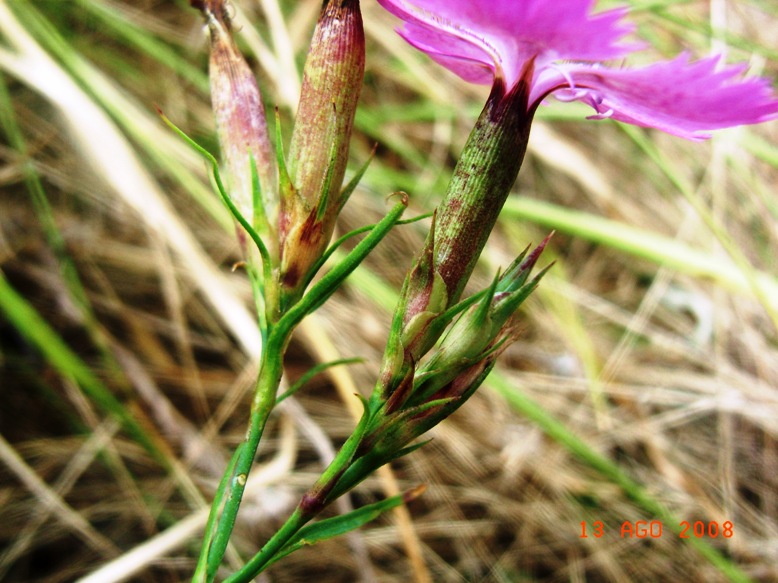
[
  {"x": 678, "y": 97},
  {"x": 471, "y": 64},
  {"x": 501, "y": 35},
  {"x": 485, "y": 41}
]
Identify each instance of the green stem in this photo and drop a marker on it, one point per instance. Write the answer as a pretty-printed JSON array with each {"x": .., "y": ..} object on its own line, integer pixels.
[
  {"x": 217, "y": 537},
  {"x": 264, "y": 400},
  {"x": 311, "y": 504},
  {"x": 210, "y": 527},
  {"x": 295, "y": 522},
  {"x": 269, "y": 380}
]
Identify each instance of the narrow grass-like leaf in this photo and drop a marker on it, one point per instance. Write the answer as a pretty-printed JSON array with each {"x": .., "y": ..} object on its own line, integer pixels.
[
  {"x": 266, "y": 265},
  {"x": 327, "y": 285},
  {"x": 347, "y": 191},
  {"x": 256, "y": 194},
  {"x": 217, "y": 505},
  {"x": 285, "y": 186},
  {"x": 338, "y": 525},
  {"x": 319, "y": 368},
  {"x": 326, "y": 187},
  {"x": 332, "y": 248},
  {"x": 361, "y": 469},
  {"x": 37, "y": 331}
]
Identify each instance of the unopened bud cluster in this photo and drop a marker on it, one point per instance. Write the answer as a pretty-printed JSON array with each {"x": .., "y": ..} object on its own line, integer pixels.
[
  {"x": 292, "y": 202},
  {"x": 430, "y": 391}
]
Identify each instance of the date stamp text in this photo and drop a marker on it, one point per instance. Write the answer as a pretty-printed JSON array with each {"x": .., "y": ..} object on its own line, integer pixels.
[{"x": 656, "y": 529}]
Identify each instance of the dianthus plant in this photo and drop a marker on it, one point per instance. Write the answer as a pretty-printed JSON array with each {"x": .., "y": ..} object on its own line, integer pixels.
[{"x": 285, "y": 201}]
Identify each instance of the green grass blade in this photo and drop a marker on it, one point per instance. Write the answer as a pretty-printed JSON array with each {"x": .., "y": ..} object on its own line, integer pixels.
[
  {"x": 641, "y": 243},
  {"x": 37, "y": 331}
]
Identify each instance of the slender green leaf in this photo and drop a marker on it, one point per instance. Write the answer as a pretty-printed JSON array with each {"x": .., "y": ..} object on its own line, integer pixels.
[
  {"x": 319, "y": 368},
  {"x": 332, "y": 527}
]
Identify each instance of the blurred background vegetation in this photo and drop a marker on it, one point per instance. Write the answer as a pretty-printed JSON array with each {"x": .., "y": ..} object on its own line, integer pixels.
[{"x": 643, "y": 387}]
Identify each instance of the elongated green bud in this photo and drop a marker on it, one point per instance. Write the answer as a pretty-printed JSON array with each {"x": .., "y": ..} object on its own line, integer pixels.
[
  {"x": 482, "y": 180},
  {"x": 332, "y": 79},
  {"x": 241, "y": 124}
]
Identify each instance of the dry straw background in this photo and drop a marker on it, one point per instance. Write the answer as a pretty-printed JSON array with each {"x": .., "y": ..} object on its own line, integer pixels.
[{"x": 651, "y": 343}]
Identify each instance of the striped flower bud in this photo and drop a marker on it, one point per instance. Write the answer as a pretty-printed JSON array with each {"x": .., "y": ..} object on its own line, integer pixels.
[
  {"x": 482, "y": 180},
  {"x": 241, "y": 124},
  {"x": 332, "y": 79}
]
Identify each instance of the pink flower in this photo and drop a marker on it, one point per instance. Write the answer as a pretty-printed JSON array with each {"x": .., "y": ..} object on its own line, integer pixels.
[{"x": 556, "y": 46}]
